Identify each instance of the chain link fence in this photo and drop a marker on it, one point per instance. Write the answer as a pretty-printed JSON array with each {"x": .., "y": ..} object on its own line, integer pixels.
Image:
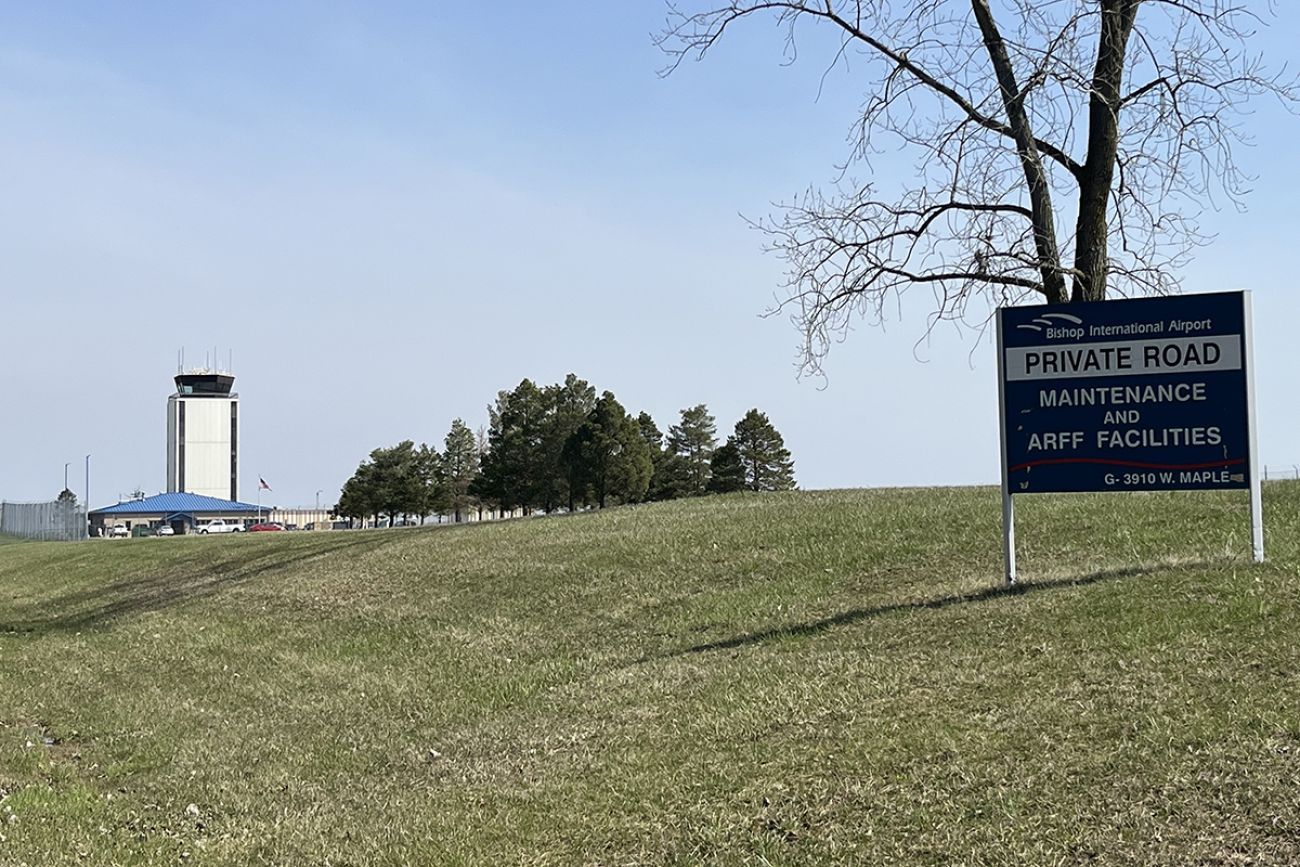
[{"x": 55, "y": 521}]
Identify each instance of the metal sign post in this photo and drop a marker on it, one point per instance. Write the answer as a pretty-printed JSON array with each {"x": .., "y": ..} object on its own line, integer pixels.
[
  {"x": 1008, "y": 504},
  {"x": 1152, "y": 394},
  {"x": 1256, "y": 497}
]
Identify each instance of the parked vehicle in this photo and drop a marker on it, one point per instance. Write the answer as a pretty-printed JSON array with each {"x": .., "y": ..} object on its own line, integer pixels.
[
  {"x": 220, "y": 525},
  {"x": 165, "y": 530},
  {"x": 119, "y": 531},
  {"x": 266, "y": 527}
]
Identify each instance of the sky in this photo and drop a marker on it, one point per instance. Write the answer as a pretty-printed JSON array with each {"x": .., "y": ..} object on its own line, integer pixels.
[{"x": 385, "y": 213}]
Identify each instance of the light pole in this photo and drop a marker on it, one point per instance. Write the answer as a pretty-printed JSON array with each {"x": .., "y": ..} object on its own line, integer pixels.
[
  {"x": 87, "y": 496},
  {"x": 65, "y": 474},
  {"x": 318, "y": 500}
]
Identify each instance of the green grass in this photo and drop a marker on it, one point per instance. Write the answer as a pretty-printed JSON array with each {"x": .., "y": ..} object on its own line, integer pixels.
[{"x": 811, "y": 678}]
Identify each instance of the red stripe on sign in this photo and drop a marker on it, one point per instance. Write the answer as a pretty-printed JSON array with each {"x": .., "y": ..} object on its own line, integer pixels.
[{"x": 1138, "y": 464}]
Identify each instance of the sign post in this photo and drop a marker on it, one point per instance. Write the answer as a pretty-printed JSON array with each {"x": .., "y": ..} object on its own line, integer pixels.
[
  {"x": 1008, "y": 504},
  {"x": 1152, "y": 394},
  {"x": 1256, "y": 496}
]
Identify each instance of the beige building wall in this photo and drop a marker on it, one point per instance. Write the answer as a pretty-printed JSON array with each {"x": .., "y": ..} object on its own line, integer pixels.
[
  {"x": 202, "y": 444},
  {"x": 319, "y": 518}
]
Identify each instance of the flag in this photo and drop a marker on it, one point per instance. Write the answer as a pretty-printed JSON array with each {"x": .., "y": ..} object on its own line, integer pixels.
[{"x": 262, "y": 485}]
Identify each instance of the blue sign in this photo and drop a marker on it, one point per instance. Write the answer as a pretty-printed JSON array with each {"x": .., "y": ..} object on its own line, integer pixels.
[{"x": 1149, "y": 394}]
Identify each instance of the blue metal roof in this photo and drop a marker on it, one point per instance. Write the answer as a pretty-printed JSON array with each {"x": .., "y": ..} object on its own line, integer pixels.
[{"x": 169, "y": 504}]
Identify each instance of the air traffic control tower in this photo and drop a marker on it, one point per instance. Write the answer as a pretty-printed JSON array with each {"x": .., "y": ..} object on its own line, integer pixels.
[{"x": 203, "y": 435}]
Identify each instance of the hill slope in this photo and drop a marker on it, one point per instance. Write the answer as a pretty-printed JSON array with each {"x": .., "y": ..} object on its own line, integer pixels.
[{"x": 791, "y": 679}]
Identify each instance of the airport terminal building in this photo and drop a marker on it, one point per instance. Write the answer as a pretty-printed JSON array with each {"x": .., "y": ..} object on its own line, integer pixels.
[{"x": 179, "y": 510}]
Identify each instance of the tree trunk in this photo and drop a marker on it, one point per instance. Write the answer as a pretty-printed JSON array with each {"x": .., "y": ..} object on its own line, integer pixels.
[
  {"x": 1040, "y": 194},
  {"x": 1090, "y": 259}
]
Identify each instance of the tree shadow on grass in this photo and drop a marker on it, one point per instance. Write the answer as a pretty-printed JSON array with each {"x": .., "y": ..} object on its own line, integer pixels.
[
  {"x": 102, "y": 604},
  {"x": 856, "y": 615}
]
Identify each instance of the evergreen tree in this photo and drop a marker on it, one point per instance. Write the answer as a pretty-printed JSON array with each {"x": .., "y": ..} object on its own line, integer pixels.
[
  {"x": 608, "y": 456},
  {"x": 728, "y": 473},
  {"x": 673, "y": 477},
  {"x": 435, "y": 495},
  {"x": 480, "y": 499},
  {"x": 694, "y": 439},
  {"x": 766, "y": 461},
  {"x": 670, "y": 472},
  {"x": 459, "y": 468},
  {"x": 566, "y": 406},
  {"x": 357, "y": 500},
  {"x": 399, "y": 487},
  {"x": 392, "y": 481},
  {"x": 515, "y": 462},
  {"x": 654, "y": 440},
  {"x": 650, "y": 432}
]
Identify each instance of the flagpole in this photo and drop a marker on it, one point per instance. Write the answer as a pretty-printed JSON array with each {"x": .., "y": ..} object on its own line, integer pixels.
[{"x": 261, "y": 483}]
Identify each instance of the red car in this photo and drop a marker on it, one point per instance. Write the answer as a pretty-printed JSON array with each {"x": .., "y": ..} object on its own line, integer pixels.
[{"x": 266, "y": 527}]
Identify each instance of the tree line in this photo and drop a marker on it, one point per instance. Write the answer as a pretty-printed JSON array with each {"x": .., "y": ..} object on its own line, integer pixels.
[{"x": 563, "y": 447}]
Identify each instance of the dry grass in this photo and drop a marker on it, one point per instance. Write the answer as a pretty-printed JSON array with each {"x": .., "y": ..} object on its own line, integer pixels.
[{"x": 799, "y": 679}]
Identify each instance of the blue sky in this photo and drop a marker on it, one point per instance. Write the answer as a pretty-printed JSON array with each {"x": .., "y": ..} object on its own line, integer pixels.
[{"x": 389, "y": 212}]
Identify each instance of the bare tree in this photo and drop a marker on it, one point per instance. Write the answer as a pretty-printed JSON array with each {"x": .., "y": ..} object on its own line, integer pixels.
[{"x": 1116, "y": 116}]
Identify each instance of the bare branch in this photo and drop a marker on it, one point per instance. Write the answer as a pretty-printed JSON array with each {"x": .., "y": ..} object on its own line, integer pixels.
[
  {"x": 696, "y": 34},
  {"x": 1150, "y": 92}
]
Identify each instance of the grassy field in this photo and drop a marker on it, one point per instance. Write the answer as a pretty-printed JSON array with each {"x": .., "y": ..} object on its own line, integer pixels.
[{"x": 812, "y": 678}]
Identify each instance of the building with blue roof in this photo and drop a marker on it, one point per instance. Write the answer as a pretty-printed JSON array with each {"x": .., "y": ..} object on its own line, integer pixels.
[{"x": 180, "y": 510}]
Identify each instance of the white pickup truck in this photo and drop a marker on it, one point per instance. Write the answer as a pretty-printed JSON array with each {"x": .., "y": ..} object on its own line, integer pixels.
[{"x": 220, "y": 526}]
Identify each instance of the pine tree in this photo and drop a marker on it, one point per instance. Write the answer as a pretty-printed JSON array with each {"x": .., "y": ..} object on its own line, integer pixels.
[
  {"x": 567, "y": 406},
  {"x": 694, "y": 439},
  {"x": 459, "y": 467},
  {"x": 515, "y": 462},
  {"x": 650, "y": 432},
  {"x": 434, "y": 494},
  {"x": 393, "y": 481},
  {"x": 668, "y": 477},
  {"x": 607, "y": 455},
  {"x": 728, "y": 473},
  {"x": 766, "y": 461},
  {"x": 357, "y": 499},
  {"x": 399, "y": 485}
]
